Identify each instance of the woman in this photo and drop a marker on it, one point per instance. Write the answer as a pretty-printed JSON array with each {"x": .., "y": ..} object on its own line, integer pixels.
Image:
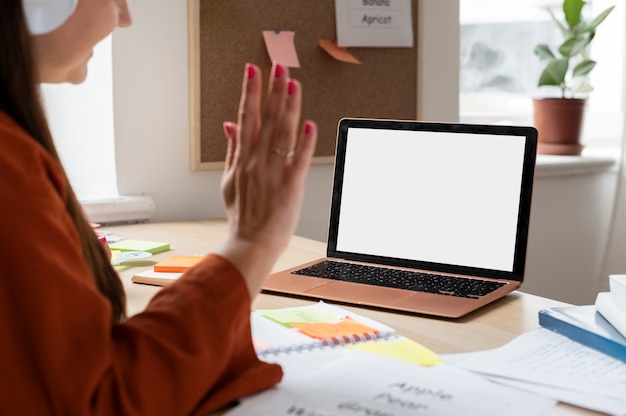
[{"x": 67, "y": 347}]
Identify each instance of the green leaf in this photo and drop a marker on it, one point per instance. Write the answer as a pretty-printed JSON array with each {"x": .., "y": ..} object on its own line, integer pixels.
[
  {"x": 584, "y": 68},
  {"x": 580, "y": 86},
  {"x": 573, "y": 11},
  {"x": 554, "y": 74},
  {"x": 544, "y": 52},
  {"x": 591, "y": 35},
  {"x": 564, "y": 30},
  {"x": 573, "y": 46},
  {"x": 599, "y": 19}
]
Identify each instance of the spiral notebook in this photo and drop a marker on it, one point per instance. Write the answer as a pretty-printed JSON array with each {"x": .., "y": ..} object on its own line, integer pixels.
[{"x": 324, "y": 333}]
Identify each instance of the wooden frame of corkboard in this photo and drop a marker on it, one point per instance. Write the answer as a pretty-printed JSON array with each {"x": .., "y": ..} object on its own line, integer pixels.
[{"x": 225, "y": 35}]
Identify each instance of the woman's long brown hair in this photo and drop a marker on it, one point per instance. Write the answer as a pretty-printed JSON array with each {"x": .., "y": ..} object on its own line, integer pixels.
[{"x": 20, "y": 98}]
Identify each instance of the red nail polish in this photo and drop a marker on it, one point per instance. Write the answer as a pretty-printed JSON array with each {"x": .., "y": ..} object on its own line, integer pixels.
[
  {"x": 227, "y": 130},
  {"x": 291, "y": 87},
  {"x": 308, "y": 128},
  {"x": 279, "y": 70},
  {"x": 251, "y": 71}
]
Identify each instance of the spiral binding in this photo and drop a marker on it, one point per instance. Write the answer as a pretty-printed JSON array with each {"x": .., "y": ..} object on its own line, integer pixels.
[{"x": 331, "y": 342}]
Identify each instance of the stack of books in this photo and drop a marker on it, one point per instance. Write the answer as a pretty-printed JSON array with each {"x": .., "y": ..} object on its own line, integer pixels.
[
  {"x": 612, "y": 305},
  {"x": 601, "y": 326}
]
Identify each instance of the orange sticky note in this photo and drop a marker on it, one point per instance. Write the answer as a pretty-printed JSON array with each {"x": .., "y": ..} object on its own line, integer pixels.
[
  {"x": 338, "y": 52},
  {"x": 347, "y": 327},
  {"x": 280, "y": 47},
  {"x": 259, "y": 345},
  {"x": 177, "y": 264}
]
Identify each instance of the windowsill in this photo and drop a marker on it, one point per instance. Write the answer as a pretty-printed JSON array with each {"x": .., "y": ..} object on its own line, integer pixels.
[
  {"x": 548, "y": 165},
  {"x": 591, "y": 161},
  {"x": 119, "y": 209}
]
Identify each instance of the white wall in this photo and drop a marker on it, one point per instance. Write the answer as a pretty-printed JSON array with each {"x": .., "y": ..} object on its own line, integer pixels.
[
  {"x": 151, "y": 114},
  {"x": 152, "y": 149},
  {"x": 569, "y": 223}
]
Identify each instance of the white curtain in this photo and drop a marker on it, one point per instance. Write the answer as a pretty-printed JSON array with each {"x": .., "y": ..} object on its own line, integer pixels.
[
  {"x": 81, "y": 121},
  {"x": 615, "y": 254}
]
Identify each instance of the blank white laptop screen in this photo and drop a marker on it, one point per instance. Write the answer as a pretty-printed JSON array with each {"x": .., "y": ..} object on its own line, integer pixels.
[{"x": 436, "y": 197}]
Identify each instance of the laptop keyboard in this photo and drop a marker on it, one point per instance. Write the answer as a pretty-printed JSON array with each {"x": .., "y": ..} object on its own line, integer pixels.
[{"x": 401, "y": 279}]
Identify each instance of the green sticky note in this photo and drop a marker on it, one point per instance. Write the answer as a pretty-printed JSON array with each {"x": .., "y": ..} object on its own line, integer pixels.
[
  {"x": 403, "y": 349},
  {"x": 300, "y": 316},
  {"x": 153, "y": 247}
]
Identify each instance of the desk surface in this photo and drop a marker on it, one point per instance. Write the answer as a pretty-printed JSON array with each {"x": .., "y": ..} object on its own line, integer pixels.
[{"x": 489, "y": 327}]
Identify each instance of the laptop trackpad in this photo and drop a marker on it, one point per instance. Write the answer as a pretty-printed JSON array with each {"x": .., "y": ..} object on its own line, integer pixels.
[{"x": 360, "y": 294}]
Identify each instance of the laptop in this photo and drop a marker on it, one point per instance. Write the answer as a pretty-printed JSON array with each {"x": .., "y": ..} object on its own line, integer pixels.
[{"x": 426, "y": 218}]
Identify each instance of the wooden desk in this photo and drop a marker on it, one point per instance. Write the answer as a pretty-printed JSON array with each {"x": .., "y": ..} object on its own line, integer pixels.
[{"x": 486, "y": 328}]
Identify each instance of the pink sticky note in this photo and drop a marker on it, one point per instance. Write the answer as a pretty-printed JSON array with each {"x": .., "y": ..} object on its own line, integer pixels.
[
  {"x": 280, "y": 47},
  {"x": 337, "y": 52}
]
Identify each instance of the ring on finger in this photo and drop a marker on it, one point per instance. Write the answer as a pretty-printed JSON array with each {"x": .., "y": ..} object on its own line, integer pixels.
[{"x": 286, "y": 153}]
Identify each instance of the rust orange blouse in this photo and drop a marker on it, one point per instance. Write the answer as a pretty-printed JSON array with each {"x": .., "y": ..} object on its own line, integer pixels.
[{"x": 189, "y": 352}]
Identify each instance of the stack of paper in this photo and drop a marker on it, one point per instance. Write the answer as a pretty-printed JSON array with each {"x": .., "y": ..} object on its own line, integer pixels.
[
  {"x": 585, "y": 325},
  {"x": 612, "y": 305},
  {"x": 552, "y": 365},
  {"x": 601, "y": 326}
]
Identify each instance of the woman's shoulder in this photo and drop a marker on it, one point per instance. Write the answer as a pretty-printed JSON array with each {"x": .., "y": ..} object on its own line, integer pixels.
[
  {"x": 9, "y": 126},
  {"x": 23, "y": 161},
  {"x": 13, "y": 136}
]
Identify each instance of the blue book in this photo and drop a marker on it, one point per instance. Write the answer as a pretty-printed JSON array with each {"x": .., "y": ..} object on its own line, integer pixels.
[{"x": 584, "y": 324}]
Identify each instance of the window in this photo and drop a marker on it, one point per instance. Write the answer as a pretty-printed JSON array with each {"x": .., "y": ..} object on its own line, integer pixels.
[
  {"x": 499, "y": 71},
  {"x": 81, "y": 120}
]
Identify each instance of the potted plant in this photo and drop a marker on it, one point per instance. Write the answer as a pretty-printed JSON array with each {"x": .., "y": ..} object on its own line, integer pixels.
[{"x": 559, "y": 120}]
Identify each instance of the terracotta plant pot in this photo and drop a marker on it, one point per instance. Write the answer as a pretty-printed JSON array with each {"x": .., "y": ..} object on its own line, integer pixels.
[{"x": 559, "y": 124}]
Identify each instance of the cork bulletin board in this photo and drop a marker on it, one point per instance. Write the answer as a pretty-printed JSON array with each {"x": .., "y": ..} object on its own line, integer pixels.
[{"x": 226, "y": 34}]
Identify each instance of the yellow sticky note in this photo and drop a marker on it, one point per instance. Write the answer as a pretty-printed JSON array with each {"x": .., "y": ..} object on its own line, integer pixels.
[
  {"x": 153, "y": 247},
  {"x": 402, "y": 349},
  {"x": 338, "y": 52},
  {"x": 287, "y": 317},
  {"x": 281, "y": 48},
  {"x": 346, "y": 328}
]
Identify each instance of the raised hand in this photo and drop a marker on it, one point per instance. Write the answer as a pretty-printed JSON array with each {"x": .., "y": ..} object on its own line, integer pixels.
[{"x": 266, "y": 164}]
